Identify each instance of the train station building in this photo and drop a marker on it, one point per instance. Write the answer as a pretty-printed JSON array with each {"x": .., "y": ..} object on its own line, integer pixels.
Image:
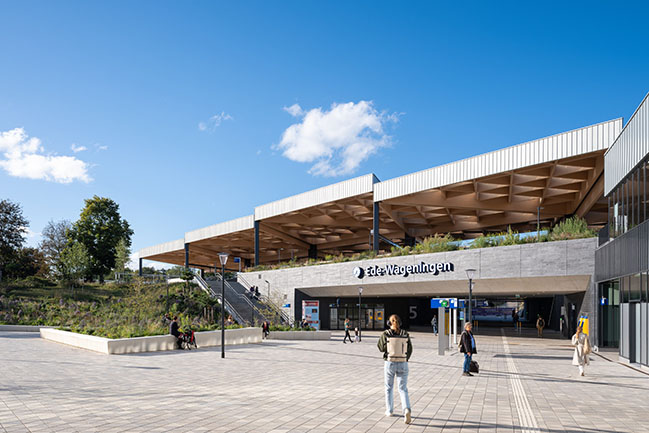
[{"x": 359, "y": 238}]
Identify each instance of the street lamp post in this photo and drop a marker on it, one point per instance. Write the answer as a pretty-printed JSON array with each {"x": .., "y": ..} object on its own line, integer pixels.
[
  {"x": 470, "y": 273},
  {"x": 223, "y": 258},
  {"x": 360, "y": 292}
]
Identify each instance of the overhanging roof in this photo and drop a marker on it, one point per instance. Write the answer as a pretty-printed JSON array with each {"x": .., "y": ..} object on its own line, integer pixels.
[
  {"x": 560, "y": 174},
  {"x": 565, "y": 145}
]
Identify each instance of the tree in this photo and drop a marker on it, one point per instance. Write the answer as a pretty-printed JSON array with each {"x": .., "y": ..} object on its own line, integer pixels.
[
  {"x": 122, "y": 255},
  {"x": 27, "y": 262},
  {"x": 55, "y": 239},
  {"x": 13, "y": 226},
  {"x": 100, "y": 228},
  {"x": 75, "y": 262}
]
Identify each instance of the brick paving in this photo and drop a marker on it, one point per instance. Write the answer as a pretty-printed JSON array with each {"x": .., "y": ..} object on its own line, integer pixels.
[{"x": 290, "y": 386}]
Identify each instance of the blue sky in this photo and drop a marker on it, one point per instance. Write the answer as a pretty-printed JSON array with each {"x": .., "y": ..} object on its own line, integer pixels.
[{"x": 187, "y": 110}]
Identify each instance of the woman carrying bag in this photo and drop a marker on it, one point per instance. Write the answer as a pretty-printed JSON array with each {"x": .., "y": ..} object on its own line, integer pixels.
[{"x": 582, "y": 350}]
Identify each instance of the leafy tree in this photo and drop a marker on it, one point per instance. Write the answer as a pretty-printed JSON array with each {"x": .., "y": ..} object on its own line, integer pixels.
[
  {"x": 13, "y": 226},
  {"x": 100, "y": 228},
  {"x": 122, "y": 255},
  {"x": 27, "y": 262},
  {"x": 75, "y": 262},
  {"x": 55, "y": 239}
]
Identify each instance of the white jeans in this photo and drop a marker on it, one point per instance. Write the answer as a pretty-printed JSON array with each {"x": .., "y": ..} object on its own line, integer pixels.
[
  {"x": 400, "y": 370},
  {"x": 581, "y": 369}
]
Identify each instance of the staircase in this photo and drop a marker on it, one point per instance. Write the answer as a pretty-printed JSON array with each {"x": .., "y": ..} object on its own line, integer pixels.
[
  {"x": 229, "y": 308},
  {"x": 266, "y": 305},
  {"x": 247, "y": 311}
]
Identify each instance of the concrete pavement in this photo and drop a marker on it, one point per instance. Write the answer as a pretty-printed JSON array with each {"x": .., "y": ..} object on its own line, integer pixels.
[{"x": 525, "y": 385}]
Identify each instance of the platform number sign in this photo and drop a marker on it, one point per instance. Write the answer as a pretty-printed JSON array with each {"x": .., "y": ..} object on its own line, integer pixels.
[{"x": 413, "y": 312}]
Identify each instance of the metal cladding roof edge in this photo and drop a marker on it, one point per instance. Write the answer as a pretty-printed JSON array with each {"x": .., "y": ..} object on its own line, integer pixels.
[
  {"x": 525, "y": 154},
  {"x": 337, "y": 191}
]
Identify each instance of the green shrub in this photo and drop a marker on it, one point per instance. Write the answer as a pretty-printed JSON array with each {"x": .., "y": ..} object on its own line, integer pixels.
[{"x": 572, "y": 228}]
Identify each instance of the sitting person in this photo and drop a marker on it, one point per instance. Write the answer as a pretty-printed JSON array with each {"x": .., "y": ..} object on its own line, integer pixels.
[{"x": 173, "y": 330}]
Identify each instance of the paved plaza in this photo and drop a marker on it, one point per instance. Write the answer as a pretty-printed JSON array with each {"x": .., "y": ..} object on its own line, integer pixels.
[{"x": 525, "y": 385}]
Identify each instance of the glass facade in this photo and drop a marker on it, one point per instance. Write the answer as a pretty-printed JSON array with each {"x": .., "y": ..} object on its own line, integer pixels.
[
  {"x": 628, "y": 202},
  {"x": 624, "y": 316},
  {"x": 373, "y": 316}
]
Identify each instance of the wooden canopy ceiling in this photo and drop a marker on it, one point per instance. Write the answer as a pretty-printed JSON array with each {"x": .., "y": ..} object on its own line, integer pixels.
[{"x": 466, "y": 209}]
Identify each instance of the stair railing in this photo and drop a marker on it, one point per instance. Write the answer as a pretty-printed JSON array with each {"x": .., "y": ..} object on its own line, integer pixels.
[
  {"x": 228, "y": 307},
  {"x": 266, "y": 299},
  {"x": 242, "y": 296}
]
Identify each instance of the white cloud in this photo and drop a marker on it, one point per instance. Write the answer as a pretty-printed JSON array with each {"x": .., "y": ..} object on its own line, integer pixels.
[
  {"x": 23, "y": 157},
  {"x": 214, "y": 122},
  {"x": 294, "y": 110},
  {"x": 336, "y": 141},
  {"x": 100, "y": 147},
  {"x": 76, "y": 149}
]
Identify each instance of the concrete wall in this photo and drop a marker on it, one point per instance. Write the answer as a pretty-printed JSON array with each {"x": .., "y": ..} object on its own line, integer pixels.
[
  {"x": 21, "y": 328},
  {"x": 531, "y": 269},
  {"x": 149, "y": 344},
  {"x": 299, "y": 335}
]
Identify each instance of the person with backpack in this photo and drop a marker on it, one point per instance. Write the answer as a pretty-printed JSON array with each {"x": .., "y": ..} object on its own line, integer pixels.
[
  {"x": 397, "y": 348},
  {"x": 468, "y": 347},
  {"x": 347, "y": 334},
  {"x": 540, "y": 324}
]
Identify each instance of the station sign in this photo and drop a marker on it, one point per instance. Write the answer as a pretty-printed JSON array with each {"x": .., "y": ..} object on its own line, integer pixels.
[
  {"x": 446, "y": 303},
  {"x": 403, "y": 270}
]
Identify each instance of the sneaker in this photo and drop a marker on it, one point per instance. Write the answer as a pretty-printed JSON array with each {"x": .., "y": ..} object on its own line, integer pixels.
[
  {"x": 406, "y": 417},
  {"x": 388, "y": 413},
  {"x": 466, "y": 373}
]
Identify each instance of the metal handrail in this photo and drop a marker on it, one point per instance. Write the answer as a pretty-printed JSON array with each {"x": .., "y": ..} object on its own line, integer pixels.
[
  {"x": 242, "y": 296},
  {"x": 278, "y": 310},
  {"x": 206, "y": 287}
]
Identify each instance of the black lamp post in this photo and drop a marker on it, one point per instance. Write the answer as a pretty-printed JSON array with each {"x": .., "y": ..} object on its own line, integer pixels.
[
  {"x": 223, "y": 258},
  {"x": 470, "y": 273},
  {"x": 360, "y": 326}
]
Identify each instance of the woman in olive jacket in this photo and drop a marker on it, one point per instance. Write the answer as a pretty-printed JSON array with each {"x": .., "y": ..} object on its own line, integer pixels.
[{"x": 468, "y": 347}]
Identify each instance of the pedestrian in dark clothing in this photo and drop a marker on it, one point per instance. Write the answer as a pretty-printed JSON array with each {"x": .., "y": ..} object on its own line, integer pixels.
[
  {"x": 265, "y": 329},
  {"x": 347, "y": 334},
  {"x": 173, "y": 330},
  {"x": 468, "y": 347},
  {"x": 515, "y": 318}
]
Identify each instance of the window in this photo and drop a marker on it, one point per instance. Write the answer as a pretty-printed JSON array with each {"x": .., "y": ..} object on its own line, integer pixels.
[
  {"x": 635, "y": 287},
  {"x": 624, "y": 289}
]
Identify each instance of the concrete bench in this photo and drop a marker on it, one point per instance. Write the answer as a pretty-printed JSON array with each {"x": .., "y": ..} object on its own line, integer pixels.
[{"x": 148, "y": 344}]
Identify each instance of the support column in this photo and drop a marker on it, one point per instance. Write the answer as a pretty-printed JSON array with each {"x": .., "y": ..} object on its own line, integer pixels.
[
  {"x": 313, "y": 252},
  {"x": 202, "y": 274},
  {"x": 186, "y": 256},
  {"x": 139, "y": 272},
  {"x": 375, "y": 227},
  {"x": 256, "y": 243}
]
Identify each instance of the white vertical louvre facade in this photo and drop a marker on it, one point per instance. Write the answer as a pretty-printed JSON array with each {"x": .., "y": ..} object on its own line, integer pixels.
[
  {"x": 630, "y": 148},
  {"x": 572, "y": 143},
  {"x": 224, "y": 228},
  {"x": 167, "y": 247},
  {"x": 337, "y": 191}
]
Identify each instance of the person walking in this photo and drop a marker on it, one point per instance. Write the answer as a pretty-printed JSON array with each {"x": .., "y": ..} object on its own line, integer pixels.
[
  {"x": 468, "y": 347},
  {"x": 265, "y": 329},
  {"x": 582, "y": 350},
  {"x": 540, "y": 324},
  {"x": 515, "y": 318},
  {"x": 397, "y": 348},
  {"x": 433, "y": 323},
  {"x": 347, "y": 334}
]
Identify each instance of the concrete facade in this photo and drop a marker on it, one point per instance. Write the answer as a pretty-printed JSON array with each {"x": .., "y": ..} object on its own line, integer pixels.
[{"x": 561, "y": 267}]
